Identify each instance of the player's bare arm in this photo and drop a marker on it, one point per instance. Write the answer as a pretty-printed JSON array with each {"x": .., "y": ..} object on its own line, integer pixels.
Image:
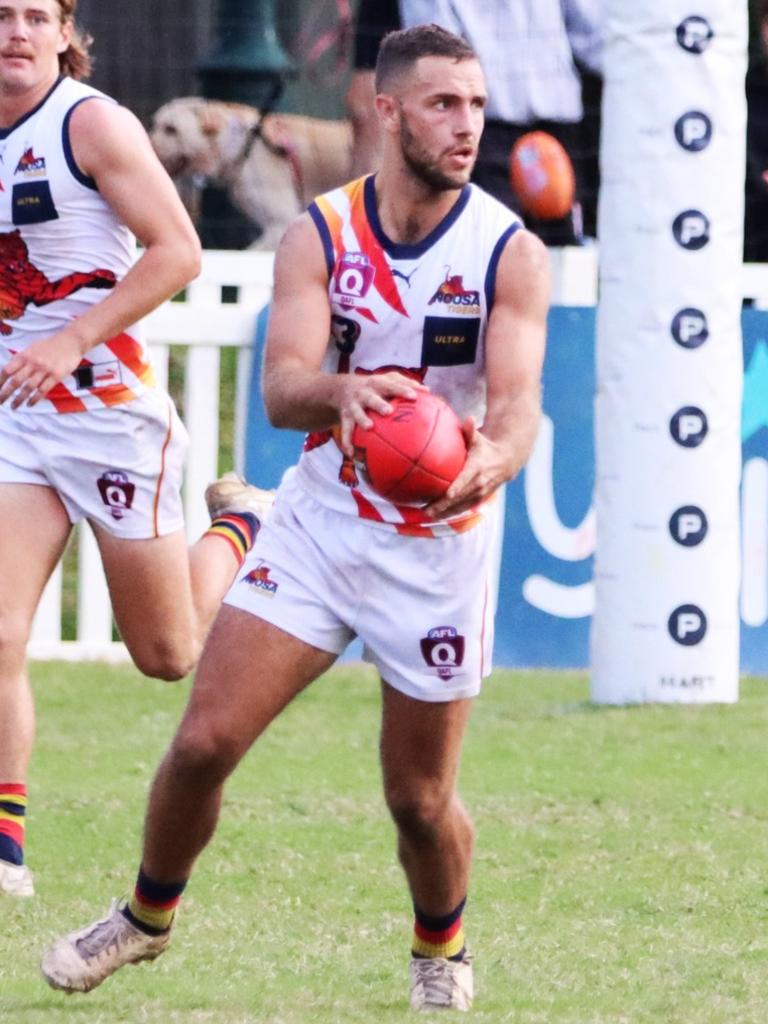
[
  {"x": 515, "y": 342},
  {"x": 298, "y": 394},
  {"x": 110, "y": 145}
]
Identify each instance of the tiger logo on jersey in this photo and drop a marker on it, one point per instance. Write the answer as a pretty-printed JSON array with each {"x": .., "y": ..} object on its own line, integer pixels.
[
  {"x": 21, "y": 283},
  {"x": 453, "y": 294},
  {"x": 30, "y": 164}
]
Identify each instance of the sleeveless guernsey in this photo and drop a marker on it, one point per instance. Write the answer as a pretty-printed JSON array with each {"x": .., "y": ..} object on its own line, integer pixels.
[
  {"x": 61, "y": 250},
  {"x": 422, "y": 309}
]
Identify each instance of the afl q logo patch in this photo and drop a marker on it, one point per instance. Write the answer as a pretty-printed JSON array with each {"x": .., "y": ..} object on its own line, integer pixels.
[
  {"x": 687, "y": 625},
  {"x": 691, "y": 229},
  {"x": 689, "y": 327},
  {"x": 443, "y": 649},
  {"x": 689, "y": 426},
  {"x": 688, "y": 526},
  {"x": 693, "y": 131},
  {"x": 117, "y": 492},
  {"x": 694, "y": 34},
  {"x": 353, "y": 278}
]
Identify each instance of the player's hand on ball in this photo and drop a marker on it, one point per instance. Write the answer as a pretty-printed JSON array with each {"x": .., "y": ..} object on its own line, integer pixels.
[
  {"x": 411, "y": 455},
  {"x": 486, "y": 468},
  {"x": 361, "y": 392}
]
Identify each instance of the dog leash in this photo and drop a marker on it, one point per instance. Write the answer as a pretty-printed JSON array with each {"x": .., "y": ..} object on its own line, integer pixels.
[
  {"x": 337, "y": 37},
  {"x": 282, "y": 149}
]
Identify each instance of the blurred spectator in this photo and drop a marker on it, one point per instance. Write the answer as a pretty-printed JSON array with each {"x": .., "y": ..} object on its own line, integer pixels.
[
  {"x": 531, "y": 51},
  {"x": 756, "y": 205}
]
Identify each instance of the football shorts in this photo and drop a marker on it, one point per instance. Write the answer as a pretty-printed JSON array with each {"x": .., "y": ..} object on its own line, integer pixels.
[
  {"x": 120, "y": 467},
  {"x": 423, "y": 607}
]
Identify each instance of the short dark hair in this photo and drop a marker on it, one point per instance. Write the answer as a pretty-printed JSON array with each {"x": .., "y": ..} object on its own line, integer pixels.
[{"x": 400, "y": 50}]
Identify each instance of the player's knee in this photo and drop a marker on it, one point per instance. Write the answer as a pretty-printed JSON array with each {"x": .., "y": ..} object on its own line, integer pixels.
[
  {"x": 161, "y": 659},
  {"x": 419, "y": 811},
  {"x": 14, "y": 634},
  {"x": 200, "y": 751}
]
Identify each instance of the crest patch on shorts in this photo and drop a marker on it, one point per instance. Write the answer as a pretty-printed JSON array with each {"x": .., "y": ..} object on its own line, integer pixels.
[
  {"x": 116, "y": 492},
  {"x": 443, "y": 650}
]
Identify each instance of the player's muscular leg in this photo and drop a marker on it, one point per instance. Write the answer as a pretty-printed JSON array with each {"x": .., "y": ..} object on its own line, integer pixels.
[
  {"x": 420, "y": 747},
  {"x": 165, "y": 596},
  {"x": 150, "y": 589},
  {"x": 248, "y": 673},
  {"x": 32, "y": 540}
]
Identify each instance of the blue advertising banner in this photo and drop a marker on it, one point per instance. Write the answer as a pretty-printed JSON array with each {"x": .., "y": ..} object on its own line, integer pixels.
[
  {"x": 545, "y": 592},
  {"x": 545, "y": 587},
  {"x": 754, "y": 494}
]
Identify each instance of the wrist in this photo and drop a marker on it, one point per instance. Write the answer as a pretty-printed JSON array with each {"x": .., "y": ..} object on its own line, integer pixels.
[{"x": 81, "y": 341}]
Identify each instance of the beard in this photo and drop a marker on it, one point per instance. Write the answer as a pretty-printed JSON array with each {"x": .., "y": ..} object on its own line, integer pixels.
[{"x": 422, "y": 164}]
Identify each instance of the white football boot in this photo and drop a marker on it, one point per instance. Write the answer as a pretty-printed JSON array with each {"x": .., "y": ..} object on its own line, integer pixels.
[
  {"x": 230, "y": 493},
  {"x": 81, "y": 960},
  {"x": 440, "y": 984},
  {"x": 15, "y": 879}
]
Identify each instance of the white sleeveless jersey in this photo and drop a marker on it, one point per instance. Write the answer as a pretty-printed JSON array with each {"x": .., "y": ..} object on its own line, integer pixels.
[
  {"x": 422, "y": 309},
  {"x": 61, "y": 250}
]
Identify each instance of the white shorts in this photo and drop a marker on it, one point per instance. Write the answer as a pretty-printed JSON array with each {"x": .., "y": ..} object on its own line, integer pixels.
[
  {"x": 120, "y": 467},
  {"x": 423, "y": 607}
]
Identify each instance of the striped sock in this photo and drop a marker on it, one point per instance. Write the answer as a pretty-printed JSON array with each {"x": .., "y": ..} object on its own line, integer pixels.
[
  {"x": 153, "y": 904},
  {"x": 439, "y": 936},
  {"x": 239, "y": 529},
  {"x": 13, "y": 807}
]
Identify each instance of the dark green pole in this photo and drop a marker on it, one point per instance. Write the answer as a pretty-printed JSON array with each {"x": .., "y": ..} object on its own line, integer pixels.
[{"x": 245, "y": 65}]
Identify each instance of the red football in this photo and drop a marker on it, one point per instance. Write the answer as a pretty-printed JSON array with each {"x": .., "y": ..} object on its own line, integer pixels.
[
  {"x": 541, "y": 174},
  {"x": 413, "y": 454}
]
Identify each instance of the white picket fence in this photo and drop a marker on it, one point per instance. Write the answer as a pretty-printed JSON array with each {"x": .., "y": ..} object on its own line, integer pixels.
[{"x": 220, "y": 309}]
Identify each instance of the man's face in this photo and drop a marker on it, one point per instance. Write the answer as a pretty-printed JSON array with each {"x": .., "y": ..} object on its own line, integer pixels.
[
  {"x": 31, "y": 39},
  {"x": 442, "y": 104}
]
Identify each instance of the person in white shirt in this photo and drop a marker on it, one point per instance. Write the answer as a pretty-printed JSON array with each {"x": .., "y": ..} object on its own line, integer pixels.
[{"x": 534, "y": 53}]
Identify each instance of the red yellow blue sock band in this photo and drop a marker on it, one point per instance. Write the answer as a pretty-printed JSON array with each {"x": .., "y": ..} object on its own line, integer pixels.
[
  {"x": 13, "y": 807},
  {"x": 439, "y": 936},
  {"x": 239, "y": 529},
  {"x": 153, "y": 904}
]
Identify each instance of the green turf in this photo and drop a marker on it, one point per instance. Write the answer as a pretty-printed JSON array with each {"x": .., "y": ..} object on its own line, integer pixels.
[{"x": 620, "y": 872}]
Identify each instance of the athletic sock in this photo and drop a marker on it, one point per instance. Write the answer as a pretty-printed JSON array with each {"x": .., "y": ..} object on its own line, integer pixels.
[
  {"x": 239, "y": 529},
  {"x": 439, "y": 936},
  {"x": 13, "y": 807},
  {"x": 153, "y": 904}
]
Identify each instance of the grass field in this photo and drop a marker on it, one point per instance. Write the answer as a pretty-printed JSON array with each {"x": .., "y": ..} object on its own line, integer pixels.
[{"x": 620, "y": 873}]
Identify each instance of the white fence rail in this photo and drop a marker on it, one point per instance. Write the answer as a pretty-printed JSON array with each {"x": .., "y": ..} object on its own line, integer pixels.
[{"x": 220, "y": 310}]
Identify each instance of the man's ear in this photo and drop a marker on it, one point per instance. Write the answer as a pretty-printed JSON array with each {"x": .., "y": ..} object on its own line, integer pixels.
[
  {"x": 66, "y": 37},
  {"x": 388, "y": 109}
]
